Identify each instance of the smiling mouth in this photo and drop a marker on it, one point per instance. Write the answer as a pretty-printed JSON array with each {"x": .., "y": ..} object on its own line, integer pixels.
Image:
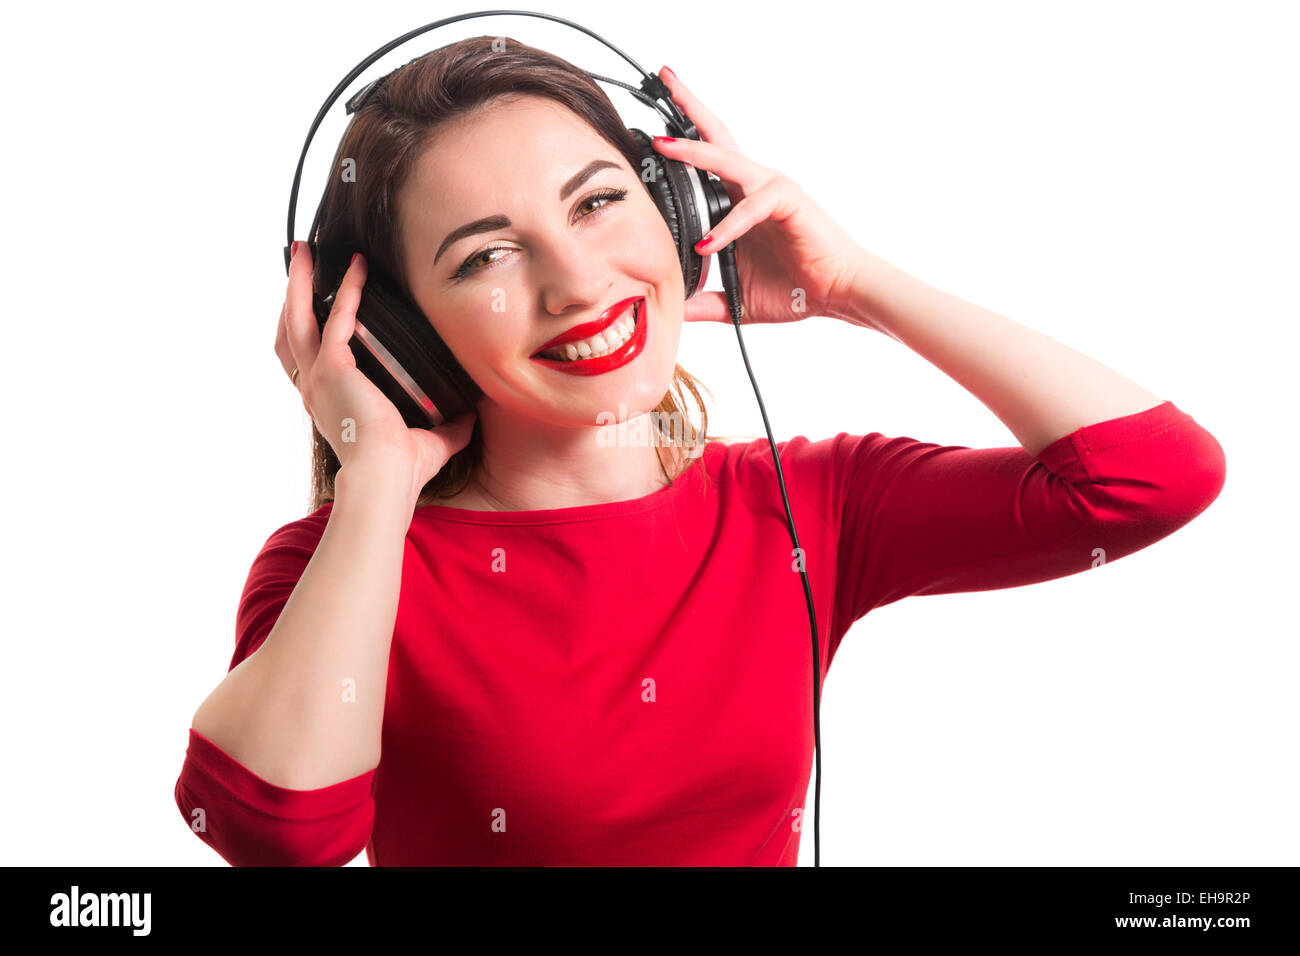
[
  {"x": 614, "y": 343},
  {"x": 609, "y": 340}
]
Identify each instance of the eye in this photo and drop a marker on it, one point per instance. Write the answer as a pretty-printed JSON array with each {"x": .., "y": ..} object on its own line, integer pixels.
[
  {"x": 467, "y": 266},
  {"x": 605, "y": 197}
]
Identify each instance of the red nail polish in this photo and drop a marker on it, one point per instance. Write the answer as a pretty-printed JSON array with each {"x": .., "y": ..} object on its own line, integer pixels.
[
  {"x": 665, "y": 139},
  {"x": 293, "y": 250},
  {"x": 355, "y": 256},
  {"x": 704, "y": 242}
]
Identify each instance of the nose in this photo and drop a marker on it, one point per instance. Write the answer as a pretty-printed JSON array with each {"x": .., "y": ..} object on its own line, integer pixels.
[{"x": 574, "y": 278}]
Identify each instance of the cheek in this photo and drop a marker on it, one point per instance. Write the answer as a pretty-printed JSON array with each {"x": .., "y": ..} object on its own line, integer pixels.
[
  {"x": 482, "y": 339},
  {"x": 653, "y": 243}
]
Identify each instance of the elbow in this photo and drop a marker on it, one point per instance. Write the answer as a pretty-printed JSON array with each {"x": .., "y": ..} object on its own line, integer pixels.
[
  {"x": 1134, "y": 513},
  {"x": 1189, "y": 484},
  {"x": 1202, "y": 471},
  {"x": 242, "y": 838}
]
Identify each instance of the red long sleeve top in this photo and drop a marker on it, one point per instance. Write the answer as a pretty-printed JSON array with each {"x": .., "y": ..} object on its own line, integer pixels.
[{"x": 631, "y": 682}]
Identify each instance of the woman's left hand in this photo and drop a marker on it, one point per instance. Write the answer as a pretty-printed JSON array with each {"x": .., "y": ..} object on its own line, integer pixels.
[{"x": 794, "y": 261}]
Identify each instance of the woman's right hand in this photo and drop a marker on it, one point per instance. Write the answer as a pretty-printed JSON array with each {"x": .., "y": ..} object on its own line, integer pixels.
[{"x": 334, "y": 389}]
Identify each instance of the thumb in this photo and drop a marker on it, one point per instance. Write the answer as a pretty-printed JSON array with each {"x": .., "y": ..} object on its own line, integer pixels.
[
  {"x": 707, "y": 307},
  {"x": 450, "y": 437}
]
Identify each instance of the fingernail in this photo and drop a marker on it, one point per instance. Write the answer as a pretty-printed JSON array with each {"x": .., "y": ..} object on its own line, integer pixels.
[
  {"x": 665, "y": 139},
  {"x": 293, "y": 250},
  {"x": 704, "y": 242},
  {"x": 670, "y": 71},
  {"x": 355, "y": 257}
]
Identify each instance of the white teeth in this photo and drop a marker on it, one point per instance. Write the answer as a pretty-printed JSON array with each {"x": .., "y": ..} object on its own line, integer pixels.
[{"x": 602, "y": 343}]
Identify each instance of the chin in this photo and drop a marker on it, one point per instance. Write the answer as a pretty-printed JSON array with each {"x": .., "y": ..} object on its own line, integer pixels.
[
  {"x": 615, "y": 396},
  {"x": 624, "y": 393}
]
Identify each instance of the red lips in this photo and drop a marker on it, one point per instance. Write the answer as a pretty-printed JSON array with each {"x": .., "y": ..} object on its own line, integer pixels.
[
  {"x": 608, "y": 361},
  {"x": 588, "y": 329}
]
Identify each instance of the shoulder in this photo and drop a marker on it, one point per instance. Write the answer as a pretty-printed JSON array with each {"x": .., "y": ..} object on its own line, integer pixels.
[
  {"x": 748, "y": 458},
  {"x": 295, "y": 541},
  {"x": 815, "y": 472}
]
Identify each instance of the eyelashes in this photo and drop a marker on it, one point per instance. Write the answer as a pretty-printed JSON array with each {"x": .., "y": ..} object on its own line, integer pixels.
[{"x": 610, "y": 196}]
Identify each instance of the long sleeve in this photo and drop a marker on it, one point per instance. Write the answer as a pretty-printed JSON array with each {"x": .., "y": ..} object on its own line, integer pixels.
[
  {"x": 244, "y": 818},
  {"x": 920, "y": 518},
  {"x": 914, "y": 517}
]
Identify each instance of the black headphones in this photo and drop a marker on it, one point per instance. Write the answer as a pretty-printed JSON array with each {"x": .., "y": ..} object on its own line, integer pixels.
[{"x": 396, "y": 346}]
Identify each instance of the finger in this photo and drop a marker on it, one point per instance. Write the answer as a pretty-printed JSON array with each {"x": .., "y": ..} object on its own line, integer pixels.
[
  {"x": 707, "y": 307},
  {"x": 440, "y": 443},
  {"x": 456, "y": 433},
  {"x": 300, "y": 321},
  {"x": 729, "y": 164},
  {"x": 282, "y": 350},
  {"x": 343, "y": 315},
  {"x": 710, "y": 127},
  {"x": 773, "y": 201}
]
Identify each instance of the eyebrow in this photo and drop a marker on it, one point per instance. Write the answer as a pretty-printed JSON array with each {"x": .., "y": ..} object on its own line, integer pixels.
[{"x": 492, "y": 223}]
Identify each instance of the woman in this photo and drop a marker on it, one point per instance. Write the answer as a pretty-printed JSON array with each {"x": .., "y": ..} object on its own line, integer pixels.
[{"x": 511, "y": 639}]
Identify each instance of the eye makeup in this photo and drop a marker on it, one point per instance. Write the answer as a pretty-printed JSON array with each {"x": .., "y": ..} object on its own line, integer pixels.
[{"x": 609, "y": 195}]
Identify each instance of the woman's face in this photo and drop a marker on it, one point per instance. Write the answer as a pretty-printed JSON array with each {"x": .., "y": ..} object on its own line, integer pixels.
[{"x": 497, "y": 296}]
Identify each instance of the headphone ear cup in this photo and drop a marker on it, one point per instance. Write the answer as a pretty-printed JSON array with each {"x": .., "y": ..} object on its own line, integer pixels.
[
  {"x": 396, "y": 347},
  {"x": 670, "y": 187}
]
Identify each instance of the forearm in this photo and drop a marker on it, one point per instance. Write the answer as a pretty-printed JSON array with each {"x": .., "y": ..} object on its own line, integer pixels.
[
  {"x": 306, "y": 709},
  {"x": 1040, "y": 389}
]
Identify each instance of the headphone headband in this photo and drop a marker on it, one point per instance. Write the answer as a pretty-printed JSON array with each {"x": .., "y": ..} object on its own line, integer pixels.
[{"x": 652, "y": 90}]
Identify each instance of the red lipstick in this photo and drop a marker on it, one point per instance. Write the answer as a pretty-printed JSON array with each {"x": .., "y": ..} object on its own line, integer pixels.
[{"x": 598, "y": 364}]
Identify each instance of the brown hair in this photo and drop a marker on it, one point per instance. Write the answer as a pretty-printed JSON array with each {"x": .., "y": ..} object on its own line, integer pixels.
[{"x": 385, "y": 139}]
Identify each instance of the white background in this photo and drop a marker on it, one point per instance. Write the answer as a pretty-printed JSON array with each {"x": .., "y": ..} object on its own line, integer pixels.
[{"x": 1120, "y": 176}]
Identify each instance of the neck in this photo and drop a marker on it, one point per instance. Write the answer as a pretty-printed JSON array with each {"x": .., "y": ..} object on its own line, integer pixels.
[{"x": 527, "y": 467}]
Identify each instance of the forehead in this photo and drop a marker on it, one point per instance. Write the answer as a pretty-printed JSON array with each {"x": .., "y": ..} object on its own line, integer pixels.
[{"x": 512, "y": 153}]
